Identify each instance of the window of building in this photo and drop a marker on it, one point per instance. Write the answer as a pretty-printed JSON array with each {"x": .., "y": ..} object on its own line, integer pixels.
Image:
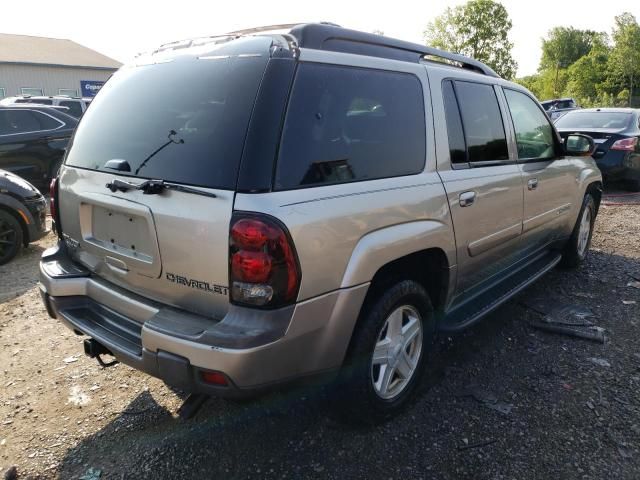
[
  {"x": 3, "y": 92},
  {"x": 482, "y": 122},
  {"x": 534, "y": 134},
  {"x": 69, "y": 92},
  {"x": 33, "y": 91},
  {"x": 348, "y": 124}
]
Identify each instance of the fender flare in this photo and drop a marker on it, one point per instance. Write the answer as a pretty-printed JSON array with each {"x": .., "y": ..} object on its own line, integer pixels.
[{"x": 378, "y": 248}]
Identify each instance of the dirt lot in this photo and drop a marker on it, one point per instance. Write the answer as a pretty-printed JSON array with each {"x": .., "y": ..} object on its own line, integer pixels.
[{"x": 504, "y": 400}]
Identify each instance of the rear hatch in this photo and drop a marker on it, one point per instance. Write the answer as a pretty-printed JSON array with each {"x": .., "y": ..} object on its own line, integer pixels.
[{"x": 181, "y": 119}]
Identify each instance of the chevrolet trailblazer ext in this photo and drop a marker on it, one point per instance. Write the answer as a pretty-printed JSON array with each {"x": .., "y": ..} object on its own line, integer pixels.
[{"x": 239, "y": 211}]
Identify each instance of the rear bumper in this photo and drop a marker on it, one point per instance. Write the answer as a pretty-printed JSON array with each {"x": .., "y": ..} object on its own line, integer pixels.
[
  {"x": 254, "y": 349},
  {"x": 618, "y": 165}
]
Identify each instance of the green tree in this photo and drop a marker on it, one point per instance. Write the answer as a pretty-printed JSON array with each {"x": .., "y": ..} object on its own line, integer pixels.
[
  {"x": 588, "y": 75},
  {"x": 624, "y": 61},
  {"x": 478, "y": 29},
  {"x": 563, "y": 47}
]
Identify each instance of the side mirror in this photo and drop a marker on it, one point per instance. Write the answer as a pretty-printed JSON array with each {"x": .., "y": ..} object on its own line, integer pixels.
[{"x": 578, "y": 145}]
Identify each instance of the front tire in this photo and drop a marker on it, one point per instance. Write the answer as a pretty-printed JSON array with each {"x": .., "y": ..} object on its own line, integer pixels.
[
  {"x": 10, "y": 237},
  {"x": 387, "y": 355},
  {"x": 578, "y": 245}
]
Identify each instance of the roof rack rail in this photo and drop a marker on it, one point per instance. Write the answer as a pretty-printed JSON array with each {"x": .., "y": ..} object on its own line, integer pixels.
[
  {"x": 266, "y": 28},
  {"x": 333, "y": 38}
]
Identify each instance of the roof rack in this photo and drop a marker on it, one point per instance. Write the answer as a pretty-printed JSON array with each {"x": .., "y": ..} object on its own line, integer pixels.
[{"x": 330, "y": 37}]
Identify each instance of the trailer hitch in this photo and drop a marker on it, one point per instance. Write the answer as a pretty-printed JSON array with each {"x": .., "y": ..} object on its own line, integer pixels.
[{"x": 94, "y": 349}]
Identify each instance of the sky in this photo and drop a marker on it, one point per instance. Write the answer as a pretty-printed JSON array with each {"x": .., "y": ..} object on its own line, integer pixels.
[{"x": 121, "y": 29}]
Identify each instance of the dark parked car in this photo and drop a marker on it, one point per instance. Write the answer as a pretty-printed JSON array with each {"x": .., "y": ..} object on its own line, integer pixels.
[
  {"x": 557, "y": 107},
  {"x": 23, "y": 212},
  {"x": 616, "y": 132},
  {"x": 33, "y": 139}
]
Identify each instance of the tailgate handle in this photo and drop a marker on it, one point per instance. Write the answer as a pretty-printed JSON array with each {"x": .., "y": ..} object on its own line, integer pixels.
[{"x": 116, "y": 265}]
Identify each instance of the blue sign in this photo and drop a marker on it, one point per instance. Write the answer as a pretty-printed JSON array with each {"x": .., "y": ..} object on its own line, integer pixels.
[{"x": 89, "y": 88}]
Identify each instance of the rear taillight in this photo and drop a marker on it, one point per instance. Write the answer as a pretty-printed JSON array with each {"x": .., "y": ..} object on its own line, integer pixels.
[
  {"x": 263, "y": 270},
  {"x": 626, "y": 144}
]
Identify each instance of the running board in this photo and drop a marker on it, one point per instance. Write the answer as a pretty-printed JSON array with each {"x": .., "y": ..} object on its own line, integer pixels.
[{"x": 470, "y": 312}]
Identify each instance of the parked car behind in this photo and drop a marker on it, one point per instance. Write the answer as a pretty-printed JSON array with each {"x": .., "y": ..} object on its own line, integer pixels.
[
  {"x": 557, "y": 107},
  {"x": 320, "y": 202},
  {"x": 616, "y": 132},
  {"x": 22, "y": 215},
  {"x": 33, "y": 139},
  {"x": 75, "y": 106}
]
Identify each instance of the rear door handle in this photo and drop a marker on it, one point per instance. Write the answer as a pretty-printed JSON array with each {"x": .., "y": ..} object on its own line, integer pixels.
[
  {"x": 467, "y": 198},
  {"x": 532, "y": 184}
]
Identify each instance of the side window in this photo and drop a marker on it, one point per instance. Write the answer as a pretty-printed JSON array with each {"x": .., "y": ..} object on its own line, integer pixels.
[
  {"x": 457, "y": 145},
  {"x": 46, "y": 122},
  {"x": 25, "y": 121},
  {"x": 482, "y": 122},
  {"x": 19, "y": 121},
  {"x": 347, "y": 124},
  {"x": 534, "y": 134},
  {"x": 75, "y": 109}
]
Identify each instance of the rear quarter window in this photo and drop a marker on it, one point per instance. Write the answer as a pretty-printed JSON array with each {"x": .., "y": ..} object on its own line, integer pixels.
[{"x": 346, "y": 124}]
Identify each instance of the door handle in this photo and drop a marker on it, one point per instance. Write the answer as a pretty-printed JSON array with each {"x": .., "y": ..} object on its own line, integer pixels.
[
  {"x": 532, "y": 184},
  {"x": 467, "y": 198}
]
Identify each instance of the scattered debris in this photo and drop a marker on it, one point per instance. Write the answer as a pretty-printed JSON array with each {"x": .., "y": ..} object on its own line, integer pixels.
[
  {"x": 486, "y": 398},
  {"x": 629, "y": 302},
  {"x": 467, "y": 446},
  {"x": 599, "y": 361},
  {"x": 634, "y": 284},
  {"x": 70, "y": 359},
  {"x": 78, "y": 397},
  {"x": 91, "y": 474},
  {"x": 590, "y": 333}
]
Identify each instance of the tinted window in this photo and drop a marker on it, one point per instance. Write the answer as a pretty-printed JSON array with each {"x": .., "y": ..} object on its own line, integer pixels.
[
  {"x": 482, "y": 121},
  {"x": 345, "y": 124},
  {"x": 25, "y": 121},
  {"x": 192, "y": 135},
  {"x": 457, "y": 147},
  {"x": 534, "y": 134},
  {"x": 582, "y": 119},
  {"x": 75, "y": 109}
]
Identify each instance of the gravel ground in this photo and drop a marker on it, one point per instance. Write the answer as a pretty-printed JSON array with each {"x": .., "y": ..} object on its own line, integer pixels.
[{"x": 503, "y": 400}]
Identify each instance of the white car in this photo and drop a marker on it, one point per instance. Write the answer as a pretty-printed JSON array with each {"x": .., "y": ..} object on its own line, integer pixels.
[{"x": 76, "y": 106}]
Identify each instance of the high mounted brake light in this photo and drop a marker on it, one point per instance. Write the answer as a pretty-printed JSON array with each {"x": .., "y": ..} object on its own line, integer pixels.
[{"x": 263, "y": 267}]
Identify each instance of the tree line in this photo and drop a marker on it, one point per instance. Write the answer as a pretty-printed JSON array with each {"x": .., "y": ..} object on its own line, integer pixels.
[{"x": 595, "y": 68}]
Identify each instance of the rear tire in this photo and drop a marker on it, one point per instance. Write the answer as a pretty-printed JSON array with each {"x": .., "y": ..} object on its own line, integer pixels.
[
  {"x": 387, "y": 355},
  {"x": 578, "y": 245},
  {"x": 10, "y": 237}
]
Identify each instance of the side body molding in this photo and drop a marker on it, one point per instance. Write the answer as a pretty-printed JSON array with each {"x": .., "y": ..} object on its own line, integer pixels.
[{"x": 380, "y": 247}]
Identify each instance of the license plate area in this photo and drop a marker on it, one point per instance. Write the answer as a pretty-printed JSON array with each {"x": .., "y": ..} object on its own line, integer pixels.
[
  {"x": 125, "y": 234},
  {"x": 119, "y": 229}
]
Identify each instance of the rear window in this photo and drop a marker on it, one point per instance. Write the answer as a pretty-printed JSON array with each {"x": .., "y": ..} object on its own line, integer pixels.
[
  {"x": 348, "y": 124},
  {"x": 182, "y": 121},
  {"x": 614, "y": 120}
]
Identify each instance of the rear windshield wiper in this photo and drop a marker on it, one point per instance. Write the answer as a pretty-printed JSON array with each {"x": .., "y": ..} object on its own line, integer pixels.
[{"x": 154, "y": 187}]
